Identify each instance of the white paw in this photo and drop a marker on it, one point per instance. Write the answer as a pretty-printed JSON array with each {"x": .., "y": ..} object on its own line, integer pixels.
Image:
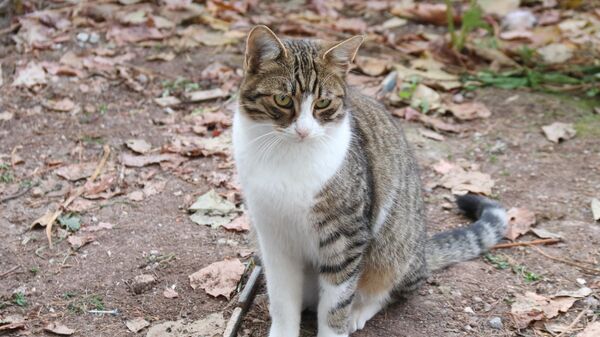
[{"x": 357, "y": 321}]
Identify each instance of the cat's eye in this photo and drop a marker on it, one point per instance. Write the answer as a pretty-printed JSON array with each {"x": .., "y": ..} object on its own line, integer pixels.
[
  {"x": 322, "y": 103},
  {"x": 284, "y": 101}
]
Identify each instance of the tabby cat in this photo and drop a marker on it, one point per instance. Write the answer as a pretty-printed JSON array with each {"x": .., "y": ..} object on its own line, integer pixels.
[{"x": 333, "y": 190}]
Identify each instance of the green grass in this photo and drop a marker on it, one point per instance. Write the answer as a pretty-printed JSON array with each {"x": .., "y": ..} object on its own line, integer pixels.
[
  {"x": 80, "y": 306},
  {"x": 34, "y": 270},
  {"x": 6, "y": 174},
  {"x": 588, "y": 126},
  {"x": 501, "y": 262}
]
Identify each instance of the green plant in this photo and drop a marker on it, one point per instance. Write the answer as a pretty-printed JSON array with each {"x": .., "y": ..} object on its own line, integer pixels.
[
  {"x": 70, "y": 221},
  {"x": 471, "y": 20},
  {"x": 19, "y": 299},
  {"x": 103, "y": 108},
  {"x": 6, "y": 175},
  {"x": 499, "y": 262},
  {"x": 34, "y": 270}
]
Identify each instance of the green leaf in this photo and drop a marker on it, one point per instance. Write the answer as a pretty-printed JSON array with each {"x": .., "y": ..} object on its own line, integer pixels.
[{"x": 70, "y": 222}]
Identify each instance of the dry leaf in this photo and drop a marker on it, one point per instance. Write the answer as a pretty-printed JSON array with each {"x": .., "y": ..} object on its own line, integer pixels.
[
  {"x": 211, "y": 326},
  {"x": 444, "y": 167},
  {"x": 219, "y": 278},
  {"x": 425, "y": 96},
  {"x": 204, "y": 95},
  {"x": 212, "y": 210},
  {"x": 76, "y": 172},
  {"x": 592, "y": 330},
  {"x": 350, "y": 25},
  {"x": 12, "y": 322},
  {"x": 136, "y": 324},
  {"x": 43, "y": 220},
  {"x": 461, "y": 182},
  {"x": 595, "y": 209},
  {"x": 469, "y": 110},
  {"x": 532, "y": 307},
  {"x": 59, "y": 329},
  {"x": 140, "y": 161},
  {"x": 240, "y": 224},
  {"x": 32, "y": 74},
  {"x": 138, "y": 145},
  {"x": 78, "y": 241},
  {"x": 579, "y": 293},
  {"x": 545, "y": 234},
  {"x": 558, "y": 131},
  {"x": 556, "y": 53},
  {"x": 431, "y": 135},
  {"x": 133, "y": 34},
  {"x": 167, "y": 101},
  {"x": 170, "y": 293},
  {"x": 499, "y": 8},
  {"x": 520, "y": 221},
  {"x": 430, "y": 13},
  {"x": 63, "y": 105},
  {"x": 371, "y": 66}
]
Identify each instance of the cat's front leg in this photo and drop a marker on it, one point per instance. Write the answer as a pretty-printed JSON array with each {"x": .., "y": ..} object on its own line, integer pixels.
[
  {"x": 284, "y": 275},
  {"x": 335, "y": 302}
]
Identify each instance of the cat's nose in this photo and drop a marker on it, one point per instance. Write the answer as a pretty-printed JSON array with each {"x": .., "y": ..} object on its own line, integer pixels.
[{"x": 302, "y": 132}]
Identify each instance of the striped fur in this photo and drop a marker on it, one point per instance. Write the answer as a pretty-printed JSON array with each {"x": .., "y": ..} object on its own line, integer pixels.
[{"x": 338, "y": 213}]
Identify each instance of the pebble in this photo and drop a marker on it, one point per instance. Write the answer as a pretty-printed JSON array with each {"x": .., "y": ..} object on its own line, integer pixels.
[
  {"x": 94, "y": 38},
  {"x": 496, "y": 323},
  {"x": 469, "y": 310},
  {"x": 458, "y": 98},
  {"x": 477, "y": 299},
  {"x": 142, "y": 283},
  {"x": 83, "y": 36},
  {"x": 581, "y": 281}
]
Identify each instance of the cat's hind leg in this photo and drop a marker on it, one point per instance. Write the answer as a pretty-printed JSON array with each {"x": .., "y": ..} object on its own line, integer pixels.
[{"x": 373, "y": 293}]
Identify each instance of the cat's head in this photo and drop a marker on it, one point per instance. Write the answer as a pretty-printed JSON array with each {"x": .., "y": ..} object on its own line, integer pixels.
[{"x": 295, "y": 87}]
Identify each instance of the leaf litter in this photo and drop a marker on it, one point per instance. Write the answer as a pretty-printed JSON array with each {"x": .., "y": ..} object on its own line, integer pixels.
[
  {"x": 213, "y": 210},
  {"x": 219, "y": 278}
]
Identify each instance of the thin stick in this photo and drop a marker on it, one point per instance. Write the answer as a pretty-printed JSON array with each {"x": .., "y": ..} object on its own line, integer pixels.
[
  {"x": 16, "y": 195},
  {"x": 77, "y": 193},
  {"x": 526, "y": 243},
  {"x": 572, "y": 325},
  {"x": 9, "y": 271},
  {"x": 571, "y": 263}
]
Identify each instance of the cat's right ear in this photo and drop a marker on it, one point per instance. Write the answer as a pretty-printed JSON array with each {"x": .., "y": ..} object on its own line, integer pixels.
[{"x": 262, "y": 45}]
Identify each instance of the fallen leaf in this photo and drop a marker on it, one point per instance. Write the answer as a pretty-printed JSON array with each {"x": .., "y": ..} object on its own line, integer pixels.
[
  {"x": 12, "y": 322},
  {"x": 500, "y": 8},
  {"x": 240, "y": 224},
  {"x": 76, "y": 172},
  {"x": 212, "y": 210},
  {"x": 136, "y": 324},
  {"x": 430, "y": 13},
  {"x": 432, "y": 135},
  {"x": 140, "y": 161},
  {"x": 133, "y": 34},
  {"x": 520, "y": 221},
  {"x": 78, "y": 241},
  {"x": 211, "y": 326},
  {"x": 62, "y": 105},
  {"x": 461, "y": 181},
  {"x": 595, "y": 209},
  {"x": 138, "y": 145},
  {"x": 592, "y": 330},
  {"x": 545, "y": 234},
  {"x": 43, "y": 220},
  {"x": 533, "y": 307},
  {"x": 579, "y": 293},
  {"x": 371, "y": 66},
  {"x": 558, "y": 131},
  {"x": 555, "y": 53},
  {"x": 59, "y": 329},
  {"x": 204, "y": 95},
  {"x": 469, "y": 110},
  {"x": 167, "y": 101},
  {"x": 201, "y": 146},
  {"x": 80, "y": 205},
  {"x": 350, "y": 25},
  {"x": 437, "y": 124},
  {"x": 219, "y": 278},
  {"x": 425, "y": 98},
  {"x": 444, "y": 167},
  {"x": 170, "y": 293},
  {"x": 430, "y": 72},
  {"x": 31, "y": 75}
]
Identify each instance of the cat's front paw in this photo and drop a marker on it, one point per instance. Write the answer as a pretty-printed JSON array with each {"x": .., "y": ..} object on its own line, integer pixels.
[{"x": 357, "y": 321}]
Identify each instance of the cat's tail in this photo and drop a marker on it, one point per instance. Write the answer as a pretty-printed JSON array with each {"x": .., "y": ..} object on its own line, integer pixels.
[{"x": 465, "y": 243}]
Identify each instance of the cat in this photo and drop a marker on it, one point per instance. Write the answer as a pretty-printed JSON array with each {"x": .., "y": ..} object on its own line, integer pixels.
[{"x": 333, "y": 190}]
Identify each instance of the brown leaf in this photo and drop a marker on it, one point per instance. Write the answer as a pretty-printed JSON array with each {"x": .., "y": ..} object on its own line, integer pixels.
[
  {"x": 240, "y": 224},
  {"x": 219, "y": 278},
  {"x": 350, "y": 25},
  {"x": 469, "y": 110},
  {"x": 76, "y": 172},
  {"x": 461, "y": 181},
  {"x": 78, "y": 241},
  {"x": 31, "y": 75},
  {"x": 12, "y": 322},
  {"x": 80, "y": 205},
  {"x": 59, "y": 329},
  {"x": 533, "y": 307},
  {"x": 138, "y": 145},
  {"x": 122, "y": 35},
  {"x": 430, "y": 13},
  {"x": 140, "y": 161},
  {"x": 437, "y": 124},
  {"x": 558, "y": 131},
  {"x": 592, "y": 330},
  {"x": 520, "y": 220},
  {"x": 372, "y": 66}
]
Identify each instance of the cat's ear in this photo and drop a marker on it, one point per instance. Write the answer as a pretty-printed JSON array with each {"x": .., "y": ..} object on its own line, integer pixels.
[
  {"x": 262, "y": 45},
  {"x": 343, "y": 53}
]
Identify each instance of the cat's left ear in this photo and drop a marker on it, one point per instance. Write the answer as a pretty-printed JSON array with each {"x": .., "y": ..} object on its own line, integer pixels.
[
  {"x": 343, "y": 53},
  {"x": 262, "y": 45}
]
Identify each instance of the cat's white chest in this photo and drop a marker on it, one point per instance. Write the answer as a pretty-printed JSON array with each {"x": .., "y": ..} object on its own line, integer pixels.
[{"x": 280, "y": 186}]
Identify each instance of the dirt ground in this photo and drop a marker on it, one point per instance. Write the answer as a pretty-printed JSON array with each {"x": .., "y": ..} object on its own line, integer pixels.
[{"x": 155, "y": 236}]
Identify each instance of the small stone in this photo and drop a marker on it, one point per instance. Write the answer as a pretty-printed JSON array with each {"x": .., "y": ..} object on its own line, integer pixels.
[
  {"x": 136, "y": 324},
  {"x": 469, "y": 310},
  {"x": 581, "y": 281},
  {"x": 496, "y": 323},
  {"x": 94, "y": 38},
  {"x": 468, "y": 327},
  {"x": 142, "y": 283},
  {"x": 487, "y": 307},
  {"x": 458, "y": 98},
  {"x": 83, "y": 36},
  {"x": 477, "y": 299},
  {"x": 143, "y": 79}
]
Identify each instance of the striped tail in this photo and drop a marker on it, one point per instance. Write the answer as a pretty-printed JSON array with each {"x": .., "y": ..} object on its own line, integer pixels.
[{"x": 466, "y": 243}]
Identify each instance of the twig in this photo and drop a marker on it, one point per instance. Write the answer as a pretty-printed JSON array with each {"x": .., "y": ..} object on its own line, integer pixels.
[
  {"x": 113, "y": 312},
  {"x": 526, "y": 243},
  {"x": 9, "y": 271},
  {"x": 16, "y": 195},
  {"x": 571, "y": 263},
  {"x": 245, "y": 299},
  {"x": 77, "y": 193},
  {"x": 577, "y": 319}
]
